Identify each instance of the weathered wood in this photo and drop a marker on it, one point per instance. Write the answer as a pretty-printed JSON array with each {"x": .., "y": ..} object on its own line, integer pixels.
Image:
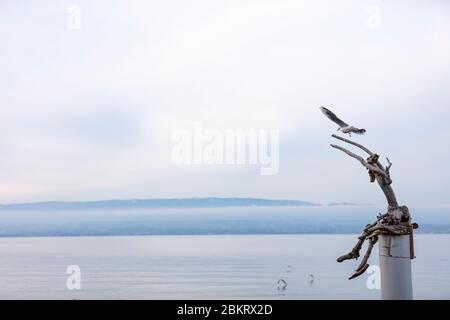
[
  {"x": 382, "y": 177},
  {"x": 397, "y": 220},
  {"x": 385, "y": 224},
  {"x": 388, "y": 168},
  {"x": 370, "y": 153},
  {"x": 369, "y": 166},
  {"x": 364, "y": 265}
]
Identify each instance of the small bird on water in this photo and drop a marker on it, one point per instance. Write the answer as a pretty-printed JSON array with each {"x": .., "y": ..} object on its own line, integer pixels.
[
  {"x": 282, "y": 285},
  {"x": 343, "y": 126},
  {"x": 311, "y": 279}
]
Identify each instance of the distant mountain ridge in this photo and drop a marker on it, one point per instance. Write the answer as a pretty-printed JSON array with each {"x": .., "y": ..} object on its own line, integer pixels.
[
  {"x": 348, "y": 204},
  {"x": 157, "y": 203}
]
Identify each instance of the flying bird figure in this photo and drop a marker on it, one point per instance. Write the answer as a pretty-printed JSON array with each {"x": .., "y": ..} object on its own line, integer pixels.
[{"x": 343, "y": 127}]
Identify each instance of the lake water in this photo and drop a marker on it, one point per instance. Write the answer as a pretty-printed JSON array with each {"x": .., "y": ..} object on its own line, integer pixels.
[{"x": 205, "y": 267}]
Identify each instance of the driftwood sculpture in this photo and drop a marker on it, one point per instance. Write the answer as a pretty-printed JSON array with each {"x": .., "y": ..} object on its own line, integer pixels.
[{"x": 397, "y": 220}]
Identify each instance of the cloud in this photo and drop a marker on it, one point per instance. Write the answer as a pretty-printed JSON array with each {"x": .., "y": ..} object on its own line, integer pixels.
[{"x": 88, "y": 114}]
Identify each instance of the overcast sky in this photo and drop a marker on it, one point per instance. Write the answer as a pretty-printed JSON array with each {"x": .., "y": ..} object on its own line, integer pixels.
[{"x": 88, "y": 113}]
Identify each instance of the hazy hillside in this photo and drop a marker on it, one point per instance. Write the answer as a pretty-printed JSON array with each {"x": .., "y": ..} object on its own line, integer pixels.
[{"x": 157, "y": 203}]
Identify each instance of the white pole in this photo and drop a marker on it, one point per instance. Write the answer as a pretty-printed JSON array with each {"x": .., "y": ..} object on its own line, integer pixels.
[{"x": 395, "y": 267}]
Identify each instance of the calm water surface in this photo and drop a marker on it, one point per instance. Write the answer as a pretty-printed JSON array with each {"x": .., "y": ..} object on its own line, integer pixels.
[{"x": 205, "y": 267}]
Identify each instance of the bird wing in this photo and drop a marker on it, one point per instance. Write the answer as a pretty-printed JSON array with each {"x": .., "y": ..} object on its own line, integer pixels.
[{"x": 330, "y": 115}]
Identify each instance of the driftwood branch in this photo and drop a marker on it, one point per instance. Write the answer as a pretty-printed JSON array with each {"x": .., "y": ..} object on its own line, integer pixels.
[
  {"x": 388, "y": 168},
  {"x": 385, "y": 224},
  {"x": 369, "y": 166},
  {"x": 364, "y": 265},
  {"x": 397, "y": 220},
  {"x": 376, "y": 170},
  {"x": 370, "y": 153}
]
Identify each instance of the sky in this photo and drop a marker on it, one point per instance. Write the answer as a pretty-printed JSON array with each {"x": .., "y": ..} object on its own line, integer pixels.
[{"x": 91, "y": 93}]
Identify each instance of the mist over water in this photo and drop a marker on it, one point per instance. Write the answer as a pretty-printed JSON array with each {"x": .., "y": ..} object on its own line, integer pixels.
[{"x": 192, "y": 221}]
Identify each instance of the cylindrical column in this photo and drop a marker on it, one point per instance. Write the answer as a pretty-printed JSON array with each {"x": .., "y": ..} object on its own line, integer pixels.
[{"x": 395, "y": 267}]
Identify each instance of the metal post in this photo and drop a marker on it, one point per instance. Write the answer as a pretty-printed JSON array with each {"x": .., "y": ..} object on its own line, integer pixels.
[{"x": 395, "y": 267}]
